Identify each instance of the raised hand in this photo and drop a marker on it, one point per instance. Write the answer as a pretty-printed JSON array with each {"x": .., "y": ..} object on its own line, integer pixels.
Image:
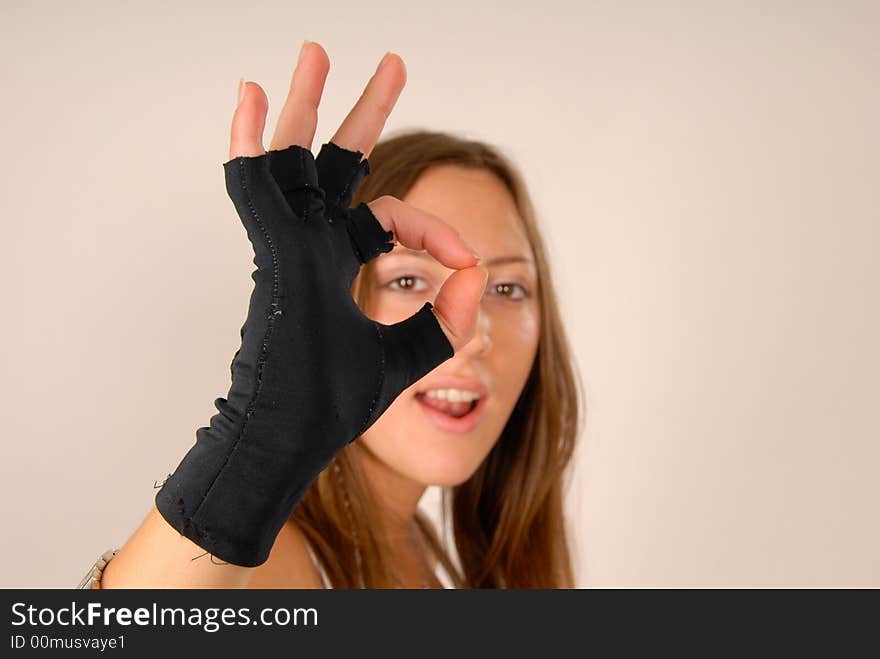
[
  {"x": 457, "y": 302},
  {"x": 313, "y": 372}
]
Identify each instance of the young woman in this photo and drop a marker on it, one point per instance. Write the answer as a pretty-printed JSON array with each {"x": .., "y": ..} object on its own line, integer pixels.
[{"x": 494, "y": 425}]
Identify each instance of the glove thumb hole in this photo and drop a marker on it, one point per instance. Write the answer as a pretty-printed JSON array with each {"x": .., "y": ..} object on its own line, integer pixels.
[
  {"x": 413, "y": 348},
  {"x": 417, "y": 345}
]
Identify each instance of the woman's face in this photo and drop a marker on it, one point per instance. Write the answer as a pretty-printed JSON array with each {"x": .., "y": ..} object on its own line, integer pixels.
[{"x": 435, "y": 445}]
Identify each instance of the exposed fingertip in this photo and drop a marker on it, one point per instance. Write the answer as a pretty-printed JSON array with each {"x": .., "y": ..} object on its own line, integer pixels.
[
  {"x": 399, "y": 59},
  {"x": 471, "y": 249},
  {"x": 321, "y": 50}
]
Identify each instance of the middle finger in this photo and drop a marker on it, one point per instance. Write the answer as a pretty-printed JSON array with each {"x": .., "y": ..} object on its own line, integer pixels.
[{"x": 299, "y": 116}]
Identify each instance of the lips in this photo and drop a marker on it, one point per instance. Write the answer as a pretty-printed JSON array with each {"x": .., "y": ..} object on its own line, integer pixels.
[
  {"x": 453, "y": 416},
  {"x": 453, "y": 409}
]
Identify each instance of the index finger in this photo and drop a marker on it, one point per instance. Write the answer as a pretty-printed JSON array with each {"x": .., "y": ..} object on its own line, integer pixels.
[{"x": 418, "y": 229}]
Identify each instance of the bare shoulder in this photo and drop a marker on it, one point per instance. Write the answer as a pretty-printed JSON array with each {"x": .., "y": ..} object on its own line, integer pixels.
[{"x": 289, "y": 564}]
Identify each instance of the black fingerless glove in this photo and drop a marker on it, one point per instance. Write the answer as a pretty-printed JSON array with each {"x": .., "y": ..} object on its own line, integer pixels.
[{"x": 313, "y": 372}]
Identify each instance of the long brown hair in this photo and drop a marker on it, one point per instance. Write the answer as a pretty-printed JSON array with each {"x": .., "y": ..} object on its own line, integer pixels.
[{"x": 508, "y": 520}]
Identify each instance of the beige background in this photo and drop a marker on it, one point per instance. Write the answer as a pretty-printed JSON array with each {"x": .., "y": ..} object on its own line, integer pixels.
[{"x": 707, "y": 174}]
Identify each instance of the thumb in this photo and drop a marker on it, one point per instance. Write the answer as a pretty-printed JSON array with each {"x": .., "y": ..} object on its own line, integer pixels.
[{"x": 458, "y": 304}]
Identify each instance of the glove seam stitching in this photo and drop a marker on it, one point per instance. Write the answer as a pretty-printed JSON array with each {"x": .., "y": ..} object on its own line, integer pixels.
[
  {"x": 265, "y": 344},
  {"x": 352, "y": 175},
  {"x": 349, "y": 227},
  {"x": 302, "y": 166},
  {"x": 379, "y": 384}
]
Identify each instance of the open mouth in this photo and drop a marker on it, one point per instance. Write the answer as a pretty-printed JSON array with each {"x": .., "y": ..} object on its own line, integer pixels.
[{"x": 453, "y": 408}]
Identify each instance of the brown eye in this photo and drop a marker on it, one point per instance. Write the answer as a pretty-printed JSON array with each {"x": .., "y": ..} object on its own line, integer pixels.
[
  {"x": 510, "y": 290},
  {"x": 406, "y": 283}
]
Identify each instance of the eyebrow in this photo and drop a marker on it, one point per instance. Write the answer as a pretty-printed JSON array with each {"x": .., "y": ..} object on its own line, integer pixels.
[{"x": 498, "y": 260}]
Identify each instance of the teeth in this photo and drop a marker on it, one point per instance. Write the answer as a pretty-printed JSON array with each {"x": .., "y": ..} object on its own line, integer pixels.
[{"x": 453, "y": 395}]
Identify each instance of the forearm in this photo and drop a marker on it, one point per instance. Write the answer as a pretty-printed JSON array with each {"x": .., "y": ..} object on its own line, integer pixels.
[{"x": 157, "y": 556}]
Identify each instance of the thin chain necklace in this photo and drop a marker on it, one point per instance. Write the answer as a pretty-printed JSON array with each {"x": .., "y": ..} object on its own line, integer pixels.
[{"x": 357, "y": 548}]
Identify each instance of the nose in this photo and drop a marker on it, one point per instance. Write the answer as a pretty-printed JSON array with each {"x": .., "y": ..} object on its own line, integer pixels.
[{"x": 481, "y": 342}]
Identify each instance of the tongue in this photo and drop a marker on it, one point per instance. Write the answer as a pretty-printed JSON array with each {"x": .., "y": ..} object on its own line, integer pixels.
[{"x": 456, "y": 409}]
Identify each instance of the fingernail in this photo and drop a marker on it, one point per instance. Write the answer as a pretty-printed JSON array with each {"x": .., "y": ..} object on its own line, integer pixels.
[
  {"x": 472, "y": 250},
  {"x": 240, "y": 91},
  {"x": 302, "y": 51}
]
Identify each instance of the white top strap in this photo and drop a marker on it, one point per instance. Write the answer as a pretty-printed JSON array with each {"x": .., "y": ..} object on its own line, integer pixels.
[
  {"x": 443, "y": 576},
  {"x": 317, "y": 565}
]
